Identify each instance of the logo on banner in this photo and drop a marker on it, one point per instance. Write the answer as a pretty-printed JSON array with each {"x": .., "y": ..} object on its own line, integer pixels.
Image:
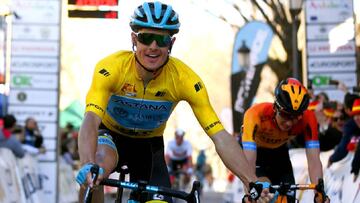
[
  {"x": 21, "y": 96},
  {"x": 21, "y": 81}
]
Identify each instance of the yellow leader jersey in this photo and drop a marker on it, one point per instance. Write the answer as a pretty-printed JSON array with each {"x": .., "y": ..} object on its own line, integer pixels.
[{"x": 118, "y": 95}]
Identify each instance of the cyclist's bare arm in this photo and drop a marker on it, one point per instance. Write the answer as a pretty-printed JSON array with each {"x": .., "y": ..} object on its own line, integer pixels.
[
  {"x": 314, "y": 164},
  {"x": 251, "y": 157},
  {"x": 88, "y": 137},
  {"x": 233, "y": 156}
]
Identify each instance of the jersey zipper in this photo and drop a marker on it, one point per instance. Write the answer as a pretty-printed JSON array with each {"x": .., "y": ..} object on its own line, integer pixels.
[{"x": 141, "y": 103}]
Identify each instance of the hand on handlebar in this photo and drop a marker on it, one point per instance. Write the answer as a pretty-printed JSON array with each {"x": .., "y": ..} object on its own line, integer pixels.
[
  {"x": 319, "y": 198},
  {"x": 320, "y": 195},
  {"x": 85, "y": 175},
  {"x": 259, "y": 192}
]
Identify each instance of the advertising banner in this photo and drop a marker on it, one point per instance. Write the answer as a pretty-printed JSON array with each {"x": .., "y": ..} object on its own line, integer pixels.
[
  {"x": 34, "y": 78},
  {"x": 40, "y": 113},
  {"x": 33, "y": 97},
  {"x": 324, "y": 48},
  {"x": 36, "y": 32},
  {"x": 328, "y": 11},
  {"x": 257, "y": 36},
  {"x": 34, "y": 64},
  {"x": 335, "y": 64},
  {"x": 330, "y": 45}
]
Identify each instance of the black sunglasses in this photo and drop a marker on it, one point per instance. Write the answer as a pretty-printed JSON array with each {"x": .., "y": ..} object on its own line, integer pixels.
[
  {"x": 341, "y": 118},
  {"x": 148, "y": 38},
  {"x": 288, "y": 116}
]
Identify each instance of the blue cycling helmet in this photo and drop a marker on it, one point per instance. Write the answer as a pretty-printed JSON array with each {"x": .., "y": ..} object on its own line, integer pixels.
[{"x": 155, "y": 15}]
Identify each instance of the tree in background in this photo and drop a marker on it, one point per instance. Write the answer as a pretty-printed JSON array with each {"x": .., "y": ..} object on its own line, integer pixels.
[{"x": 277, "y": 15}]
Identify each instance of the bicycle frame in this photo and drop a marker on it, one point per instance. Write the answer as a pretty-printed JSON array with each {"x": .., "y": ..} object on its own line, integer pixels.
[
  {"x": 142, "y": 186},
  {"x": 282, "y": 190}
]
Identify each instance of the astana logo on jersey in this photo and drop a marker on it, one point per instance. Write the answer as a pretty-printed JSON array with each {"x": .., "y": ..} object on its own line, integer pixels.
[{"x": 139, "y": 113}]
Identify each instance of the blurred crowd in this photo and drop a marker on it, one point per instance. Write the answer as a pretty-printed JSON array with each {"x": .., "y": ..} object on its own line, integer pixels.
[
  {"x": 21, "y": 139},
  {"x": 27, "y": 138},
  {"x": 69, "y": 146},
  {"x": 338, "y": 125}
]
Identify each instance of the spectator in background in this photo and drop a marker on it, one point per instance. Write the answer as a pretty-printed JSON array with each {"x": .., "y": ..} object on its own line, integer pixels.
[
  {"x": 200, "y": 166},
  {"x": 69, "y": 139},
  {"x": 32, "y": 136},
  {"x": 334, "y": 132},
  {"x": 351, "y": 130},
  {"x": 349, "y": 99},
  {"x": 67, "y": 155},
  {"x": 8, "y": 140}
]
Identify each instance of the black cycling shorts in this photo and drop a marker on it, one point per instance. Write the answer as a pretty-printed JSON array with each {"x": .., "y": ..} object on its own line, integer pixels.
[
  {"x": 275, "y": 164},
  {"x": 144, "y": 158},
  {"x": 177, "y": 165}
]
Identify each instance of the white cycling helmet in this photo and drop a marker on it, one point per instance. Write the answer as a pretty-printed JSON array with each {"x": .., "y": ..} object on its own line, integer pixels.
[{"x": 179, "y": 132}]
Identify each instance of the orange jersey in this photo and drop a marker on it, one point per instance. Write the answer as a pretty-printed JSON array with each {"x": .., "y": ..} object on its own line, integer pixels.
[{"x": 260, "y": 128}]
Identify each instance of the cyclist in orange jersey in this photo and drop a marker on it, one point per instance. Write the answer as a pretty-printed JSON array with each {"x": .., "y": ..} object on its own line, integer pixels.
[{"x": 267, "y": 127}]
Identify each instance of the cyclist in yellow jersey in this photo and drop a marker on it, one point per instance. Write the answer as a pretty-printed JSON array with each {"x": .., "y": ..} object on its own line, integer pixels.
[{"x": 132, "y": 96}]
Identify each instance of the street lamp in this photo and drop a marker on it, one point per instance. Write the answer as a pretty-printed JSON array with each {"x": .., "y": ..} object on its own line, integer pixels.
[
  {"x": 244, "y": 55},
  {"x": 295, "y": 8}
]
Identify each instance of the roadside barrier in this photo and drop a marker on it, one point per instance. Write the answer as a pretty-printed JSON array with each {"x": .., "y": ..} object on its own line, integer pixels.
[{"x": 20, "y": 181}]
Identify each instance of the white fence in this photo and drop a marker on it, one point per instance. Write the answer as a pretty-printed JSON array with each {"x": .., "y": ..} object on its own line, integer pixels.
[{"x": 21, "y": 182}]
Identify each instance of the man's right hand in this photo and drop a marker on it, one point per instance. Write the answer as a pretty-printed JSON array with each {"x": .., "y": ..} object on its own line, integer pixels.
[
  {"x": 259, "y": 192},
  {"x": 84, "y": 175}
]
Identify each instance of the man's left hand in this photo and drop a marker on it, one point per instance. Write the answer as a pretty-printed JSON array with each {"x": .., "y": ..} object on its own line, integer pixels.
[{"x": 319, "y": 199}]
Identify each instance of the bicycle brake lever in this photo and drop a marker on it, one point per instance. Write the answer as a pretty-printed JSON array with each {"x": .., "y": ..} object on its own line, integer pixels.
[
  {"x": 194, "y": 195},
  {"x": 94, "y": 175}
]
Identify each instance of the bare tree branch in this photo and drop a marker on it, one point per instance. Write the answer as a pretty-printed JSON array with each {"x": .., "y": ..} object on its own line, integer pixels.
[
  {"x": 236, "y": 7},
  {"x": 269, "y": 22}
]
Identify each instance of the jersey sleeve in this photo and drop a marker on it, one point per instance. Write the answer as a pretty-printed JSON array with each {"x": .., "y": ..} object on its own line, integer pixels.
[
  {"x": 311, "y": 130},
  {"x": 104, "y": 77},
  {"x": 193, "y": 90},
  {"x": 249, "y": 126}
]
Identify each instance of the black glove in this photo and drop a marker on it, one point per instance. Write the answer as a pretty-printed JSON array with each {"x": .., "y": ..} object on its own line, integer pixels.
[
  {"x": 321, "y": 195},
  {"x": 320, "y": 191},
  {"x": 255, "y": 190}
]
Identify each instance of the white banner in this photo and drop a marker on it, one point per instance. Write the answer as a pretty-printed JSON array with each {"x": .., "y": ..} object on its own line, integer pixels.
[
  {"x": 50, "y": 144},
  {"x": 10, "y": 181},
  {"x": 49, "y": 155},
  {"x": 37, "y": 11},
  {"x": 34, "y": 81},
  {"x": 328, "y": 11},
  {"x": 33, "y": 97},
  {"x": 48, "y": 176},
  {"x": 31, "y": 48},
  {"x": 36, "y": 32},
  {"x": 324, "y": 48},
  {"x": 35, "y": 64},
  {"x": 45, "y": 114},
  {"x": 349, "y": 79},
  {"x": 322, "y": 31},
  {"x": 335, "y": 64}
]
